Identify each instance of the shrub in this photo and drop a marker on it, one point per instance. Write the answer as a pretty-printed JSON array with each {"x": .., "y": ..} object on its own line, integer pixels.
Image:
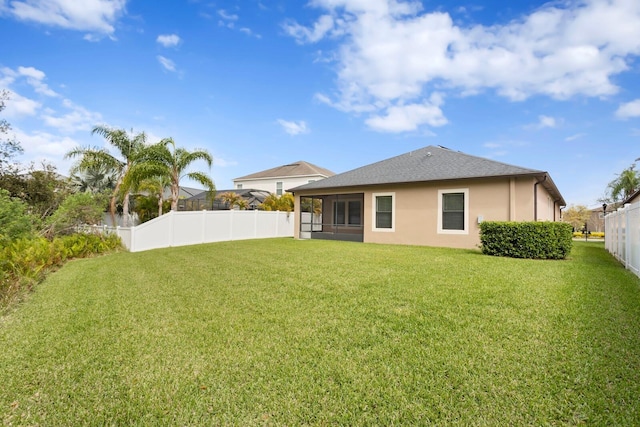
[
  {"x": 75, "y": 211},
  {"x": 539, "y": 240},
  {"x": 26, "y": 261}
]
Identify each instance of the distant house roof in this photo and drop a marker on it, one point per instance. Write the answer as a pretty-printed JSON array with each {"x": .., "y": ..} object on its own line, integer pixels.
[
  {"x": 253, "y": 197},
  {"x": 432, "y": 163},
  {"x": 300, "y": 168},
  {"x": 184, "y": 193},
  {"x": 632, "y": 198}
]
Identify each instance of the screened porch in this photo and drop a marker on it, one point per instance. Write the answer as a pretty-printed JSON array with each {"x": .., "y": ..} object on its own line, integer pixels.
[{"x": 332, "y": 217}]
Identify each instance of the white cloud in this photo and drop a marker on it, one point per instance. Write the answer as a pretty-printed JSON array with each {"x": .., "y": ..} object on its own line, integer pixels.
[
  {"x": 409, "y": 117},
  {"x": 575, "y": 136},
  {"x": 302, "y": 34},
  {"x": 17, "y": 105},
  {"x": 76, "y": 119},
  {"x": 394, "y": 54},
  {"x": 35, "y": 78},
  {"x": 249, "y": 32},
  {"x": 293, "y": 128},
  {"x": 169, "y": 40},
  {"x": 220, "y": 162},
  {"x": 544, "y": 122},
  {"x": 95, "y": 16},
  {"x": 227, "y": 16},
  {"x": 547, "y": 122},
  {"x": 629, "y": 110},
  {"x": 40, "y": 144},
  {"x": 168, "y": 64}
]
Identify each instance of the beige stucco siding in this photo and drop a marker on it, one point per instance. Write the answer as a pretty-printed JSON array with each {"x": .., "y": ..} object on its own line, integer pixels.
[{"x": 416, "y": 209}]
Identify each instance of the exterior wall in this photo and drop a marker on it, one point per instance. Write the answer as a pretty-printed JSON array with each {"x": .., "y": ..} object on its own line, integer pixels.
[
  {"x": 269, "y": 184},
  {"x": 416, "y": 209}
]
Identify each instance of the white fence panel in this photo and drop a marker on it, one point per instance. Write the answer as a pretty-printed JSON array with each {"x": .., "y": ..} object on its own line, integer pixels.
[
  {"x": 194, "y": 227},
  {"x": 218, "y": 226},
  {"x": 622, "y": 236}
]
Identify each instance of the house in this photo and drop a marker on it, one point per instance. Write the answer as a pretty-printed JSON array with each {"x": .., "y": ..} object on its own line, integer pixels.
[
  {"x": 433, "y": 196},
  {"x": 203, "y": 201},
  {"x": 276, "y": 180}
]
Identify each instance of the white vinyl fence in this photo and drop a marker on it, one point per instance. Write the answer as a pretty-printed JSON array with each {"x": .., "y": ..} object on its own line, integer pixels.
[
  {"x": 194, "y": 227},
  {"x": 622, "y": 236}
]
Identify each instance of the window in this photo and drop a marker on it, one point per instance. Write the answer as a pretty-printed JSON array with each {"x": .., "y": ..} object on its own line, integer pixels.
[
  {"x": 453, "y": 211},
  {"x": 338, "y": 213},
  {"x": 383, "y": 217},
  {"x": 347, "y": 212},
  {"x": 279, "y": 188},
  {"x": 239, "y": 186},
  {"x": 355, "y": 212}
]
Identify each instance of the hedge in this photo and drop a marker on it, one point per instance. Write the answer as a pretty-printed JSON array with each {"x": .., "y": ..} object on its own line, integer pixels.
[{"x": 538, "y": 240}]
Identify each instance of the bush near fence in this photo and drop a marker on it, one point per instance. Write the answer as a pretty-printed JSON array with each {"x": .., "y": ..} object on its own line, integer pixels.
[
  {"x": 538, "y": 240},
  {"x": 25, "y": 262}
]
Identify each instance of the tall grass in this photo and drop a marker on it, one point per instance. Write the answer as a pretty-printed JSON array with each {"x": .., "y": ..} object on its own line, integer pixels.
[{"x": 24, "y": 262}]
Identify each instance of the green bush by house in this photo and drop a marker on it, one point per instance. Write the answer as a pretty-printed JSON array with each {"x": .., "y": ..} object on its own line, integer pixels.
[{"x": 538, "y": 240}]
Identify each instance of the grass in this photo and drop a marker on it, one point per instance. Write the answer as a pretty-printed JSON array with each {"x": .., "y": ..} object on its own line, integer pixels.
[{"x": 284, "y": 332}]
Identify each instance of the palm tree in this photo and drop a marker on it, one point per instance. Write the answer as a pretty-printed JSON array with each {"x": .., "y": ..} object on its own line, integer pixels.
[
  {"x": 130, "y": 150},
  {"x": 154, "y": 187},
  {"x": 165, "y": 160},
  {"x": 625, "y": 184},
  {"x": 233, "y": 199},
  {"x": 94, "y": 180}
]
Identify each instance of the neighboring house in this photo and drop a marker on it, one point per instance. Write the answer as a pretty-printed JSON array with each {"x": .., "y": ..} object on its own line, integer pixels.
[
  {"x": 203, "y": 200},
  {"x": 633, "y": 198},
  {"x": 278, "y": 179},
  {"x": 432, "y": 196}
]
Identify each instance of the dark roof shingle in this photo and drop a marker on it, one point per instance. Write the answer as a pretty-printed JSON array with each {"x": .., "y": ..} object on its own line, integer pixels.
[{"x": 432, "y": 163}]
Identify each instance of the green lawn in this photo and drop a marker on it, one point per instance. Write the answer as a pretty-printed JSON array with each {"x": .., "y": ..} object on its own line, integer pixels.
[{"x": 285, "y": 332}]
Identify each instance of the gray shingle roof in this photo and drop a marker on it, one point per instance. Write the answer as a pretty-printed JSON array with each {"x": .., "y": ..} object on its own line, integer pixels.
[
  {"x": 299, "y": 168},
  {"x": 432, "y": 163}
]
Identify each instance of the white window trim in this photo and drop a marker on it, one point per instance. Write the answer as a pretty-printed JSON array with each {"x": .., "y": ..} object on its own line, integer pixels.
[
  {"x": 393, "y": 212},
  {"x": 466, "y": 211}
]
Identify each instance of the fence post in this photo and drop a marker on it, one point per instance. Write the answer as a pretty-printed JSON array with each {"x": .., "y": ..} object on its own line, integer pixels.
[
  {"x": 255, "y": 223},
  {"x": 171, "y": 227},
  {"x": 204, "y": 222}
]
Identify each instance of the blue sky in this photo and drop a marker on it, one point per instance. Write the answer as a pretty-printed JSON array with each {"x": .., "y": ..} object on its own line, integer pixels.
[{"x": 339, "y": 83}]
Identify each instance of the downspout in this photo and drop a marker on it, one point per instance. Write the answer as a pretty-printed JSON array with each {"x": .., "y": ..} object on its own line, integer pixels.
[{"x": 535, "y": 197}]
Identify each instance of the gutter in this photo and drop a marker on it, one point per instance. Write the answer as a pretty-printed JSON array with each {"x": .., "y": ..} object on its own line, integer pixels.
[{"x": 535, "y": 197}]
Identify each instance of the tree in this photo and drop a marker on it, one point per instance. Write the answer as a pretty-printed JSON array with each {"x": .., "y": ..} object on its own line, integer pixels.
[
  {"x": 233, "y": 200},
  {"x": 41, "y": 189},
  {"x": 76, "y": 210},
  {"x": 15, "y": 221},
  {"x": 164, "y": 159},
  {"x": 282, "y": 203},
  {"x": 627, "y": 182},
  {"x": 9, "y": 147},
  {"x": 97, "y": 179},
  {"x": 130, "y": 150},
  {"x": 577, "y": 216},
  {"x": 152, "y": 193}
]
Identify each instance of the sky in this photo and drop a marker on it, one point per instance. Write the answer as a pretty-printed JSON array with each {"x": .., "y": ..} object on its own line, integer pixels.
[{"x": 553, "y": 86}]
